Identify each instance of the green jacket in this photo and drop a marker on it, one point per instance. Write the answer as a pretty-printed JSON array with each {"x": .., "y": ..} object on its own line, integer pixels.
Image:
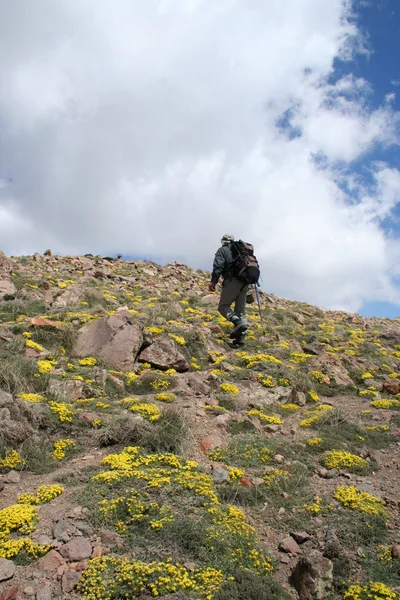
[{"x": 222, "y": 263}]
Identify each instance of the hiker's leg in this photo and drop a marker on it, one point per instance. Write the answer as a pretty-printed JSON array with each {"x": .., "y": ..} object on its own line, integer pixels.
[
  {"x": 240, "y": 302},
  {"x": 229, "y": 292}
]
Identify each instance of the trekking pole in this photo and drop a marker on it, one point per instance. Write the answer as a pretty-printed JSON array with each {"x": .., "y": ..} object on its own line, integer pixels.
[{"x": 258, "y": 302}]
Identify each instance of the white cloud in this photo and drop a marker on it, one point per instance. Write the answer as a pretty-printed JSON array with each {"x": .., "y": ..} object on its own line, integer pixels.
[{"x": 151, "y": 128}]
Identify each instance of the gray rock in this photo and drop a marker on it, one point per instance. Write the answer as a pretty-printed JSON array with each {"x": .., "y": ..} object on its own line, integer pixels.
[
  {"x": 312, "y": 577},
  {"x": 44, "y": 593},
  {"x": 298, "y": 398},
  {"x": 12, "y": 477},
  {"x": 64, "y": 527},
  {"x": 332, "y": 473},
  {"x": 116, "y": 340},
  {"x": 7, "y": 569},
  {"x": 164, "y": 354},
  {"x": 77, "y": 549},
  {"x": 220, "y": 475}
]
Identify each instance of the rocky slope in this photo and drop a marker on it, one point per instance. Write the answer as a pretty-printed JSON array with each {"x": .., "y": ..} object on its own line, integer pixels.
[{"x": 142, "y": 456}]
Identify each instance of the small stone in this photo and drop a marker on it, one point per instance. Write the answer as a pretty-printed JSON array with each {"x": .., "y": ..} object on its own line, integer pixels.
[
  {"x": 7, "y": 569},
  {"x": 70, "y": 580},
  {"x": 323, "y": 473},
  {"x": 77, "y": 549},
  {"x": 12, "y": 477},
  {"x": 289, "y": 545},
  {"x": 220, "y": 475},
  {"x": 45, "y": 540},
  {"x": 257, "y": 481},
  {"x": 396, "y": 551},
  {"x": 300, "y": 536},
  {"x": 210, "y": 443},
  {"x": 285, "y": 560},
  {"x": 281, "y": 511},
  {"x": 10, "y": 593},
  {"x": 29, "y": 591},
  {"x": 332, "y": 474},
  {"x": 245, "y": 482},
  {"x": 272, "y": 428},
  {"x": 190, "y": 566},
  {"x": 50, "y": 561},
  {"x": 285, "y": 495},
  {"x": 222, "y": 420},
  {"x": 279, "y": 458},
  {"x": 44, "y": 593}
]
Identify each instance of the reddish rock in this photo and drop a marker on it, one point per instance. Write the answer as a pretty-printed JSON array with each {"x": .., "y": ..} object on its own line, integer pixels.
[
  {"x": 197, "y": 384},
  {"x": 297, "y": 397},
  {"x": 210, "y": 443},
  {"x": 10, "y": 593},
  {"x": 50, "y": 561},
  {"x": 70, "y": 580},
  {"x": 77, "y": 549},
  {"x": 300, "y": 536},
  {"x": 396, "y": 551},
  {"x": 245, "y": 482},
  {"x": 289, "y": 545},
  {"x": 164, "y": 354},
  {"x": 116, "y": 340},
  {"x": 391, "y": 386},
  {"x": 39, "y": 322},
  {"x": 222, "y": 420}
]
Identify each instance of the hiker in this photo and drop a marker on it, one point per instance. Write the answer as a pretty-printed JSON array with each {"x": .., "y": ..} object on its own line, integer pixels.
[{"x": 236, "y": 263}]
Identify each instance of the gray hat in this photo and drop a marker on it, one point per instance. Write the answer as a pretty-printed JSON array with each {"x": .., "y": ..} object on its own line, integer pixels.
[{"x": 227, "y": 239}]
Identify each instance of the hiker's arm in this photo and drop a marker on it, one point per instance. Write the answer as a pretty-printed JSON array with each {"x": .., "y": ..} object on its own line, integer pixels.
[{"x": 219, "y": 265}]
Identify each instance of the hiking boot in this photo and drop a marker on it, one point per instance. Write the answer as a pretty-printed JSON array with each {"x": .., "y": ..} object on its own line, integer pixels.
[
  {"x": 239, "y": 327},
  {"x": 240, "y": 340}
]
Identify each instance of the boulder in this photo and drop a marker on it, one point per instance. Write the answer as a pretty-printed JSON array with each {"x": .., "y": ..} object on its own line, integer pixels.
[
  {"x": 289, "y": 545},
  {"x": 6, "y": 283},
  {"x": 50, "y": 562},
  {"x": 72, "y": 295},
  {"x": 70, "y": 580},
  {"x": 312, "y": 577},
  {"x": 77, "y": 549},
  {"x": 10, "y": 593},
  {"x": 164, "y": 354},
  {"x": 7, "y": 569},
  {"x": 333, "y": 365},
  {"x": 116, "y": 340},
  {"x": 297, "y": 397},
  {"x": 391, "y": 386},
  {"x": 69, "y": 389}
]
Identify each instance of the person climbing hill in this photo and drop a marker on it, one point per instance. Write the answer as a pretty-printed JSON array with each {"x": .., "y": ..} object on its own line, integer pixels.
[{"x": 236, "y": 263}]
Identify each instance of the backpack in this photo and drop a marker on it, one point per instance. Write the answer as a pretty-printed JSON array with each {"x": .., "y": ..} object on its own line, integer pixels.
[{"x": 245, "y": 265}]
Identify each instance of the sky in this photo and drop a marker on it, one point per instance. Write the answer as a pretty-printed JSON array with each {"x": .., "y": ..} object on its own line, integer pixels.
[{"x": 150, "y": 128}]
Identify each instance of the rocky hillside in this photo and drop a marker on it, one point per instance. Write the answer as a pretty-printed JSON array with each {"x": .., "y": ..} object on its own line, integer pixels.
[{"x": 141, "y": 456}]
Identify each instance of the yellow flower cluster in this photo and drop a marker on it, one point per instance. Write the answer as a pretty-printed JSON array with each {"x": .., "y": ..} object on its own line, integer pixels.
[
  {"x": 369, "y": 392},
  {"x": 273, "y": 474},
  {"x": 229, "y": 388},
  {"x": 178, "y": 339},
  {"x": 254, "y": 412},
  {"x": 136, "y": 508},
  {"x": 312, "y": 395},
  {"x": 266, "y": 381},
  {"x": 11, "y": 548},
  {"x": 319, "y": 376},
  {"x": 289, "y": 407},
  {"x": 89, "y": 361},
  {"x": 130, "y": 377},
  {"x": 374, "y": 590},
  {"x": 155, "y": 330},
  {"x": 165, "y": 397},
  {"x": 386, "y": 404},
  {"x": 353, "y": 498},
  {"x": 339, "y": 459},
  {"x": 106, "y": 578},
  {"x": 314, "y": 441},
  {"x": 252, "y": 360},
  {"x": 160, "y": 384},
  {"x": 62, "y": 411},
  {"x": 12, "y": 460},
  {"x": 60, "y": 447},
  {"x": 146, "y": 410},
  {"x": 31, "y": 397},
  {"x": 96, "y": 423},
  {"x": 45, "y": 366},
  {"x": 44, "y": 494},
  {"x": 316, "y": 415},
  {"x": 30, "y": 344},
  {"x": 102, "y": 405},
  {"x": 235, "y": 474},
  {"x": 299, "y": 358},
  {"x": 385, "y": 553}
]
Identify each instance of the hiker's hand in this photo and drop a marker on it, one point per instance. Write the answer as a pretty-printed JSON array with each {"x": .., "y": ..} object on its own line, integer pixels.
[{"x": 211, "y": 287}]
